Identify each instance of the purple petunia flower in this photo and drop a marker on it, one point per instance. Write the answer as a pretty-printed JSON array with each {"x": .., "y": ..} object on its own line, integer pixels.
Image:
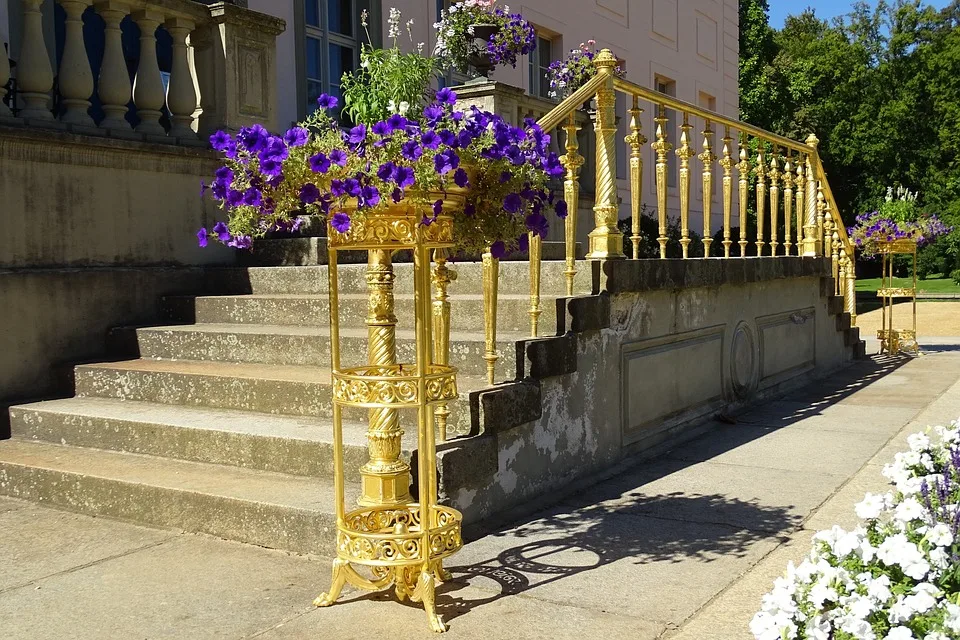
[
  {"x": 338, "y": 157},
  {"x": 397, "y": 122},
  {"x": 221, "y": 141},
  {"x": 309, "y": 193},
  {"x": 254, "y": 137},
  {"x": 271, "y": 167},
  {"x": 397, "y": 194},
  {"x": 404, "y": 177},
  {"x": 340, "y": 221},
  {"x": 537, "y": 224},
  {"x": 469, "y": 209},
  {"x": 512, "y": 203},
  {"x": 336, "y": 189},
  {"x": 357, "y": 134},
  {"x": 252, "y": 197},
  {"x": 460, "y": 178},
  {"x": 224, "y": 175},
  {"x": 464, "y": 138},
  {"x": 430, "y": 139},
  {"x": 437, "y": 208},
  {"x": 386, "y": 171},
  {"x": 222, "y": 231},
  {"x": 202, "y": 237},
  {"x": 561, "y": 208},
  {"x": 370, "y": 196},
  {"x": 381, "y": 128},
  {"x": 505, "y": 177},
  {"x": 319, "y": 163},
  {"x": 446, "y": 96},
  {"x": 274, "y": 149},
  {"x": 432, "y": 113},
  {"x": 326, "y": 101},
  {"x": 498, "y": 249},
  {"x": 446, "y": 161},
  {"x": 296, "y": 137},
  {"x": 411, "y": 150},
  {"x": 234, "y": 198},
  {"x": 447, "y": 137},
  {"x": 240, "y": 242},
  {"x": 352, "y": 187}
]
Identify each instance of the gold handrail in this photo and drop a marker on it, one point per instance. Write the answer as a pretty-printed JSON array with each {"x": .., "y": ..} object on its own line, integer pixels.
[{"x": 571, "y": 103}]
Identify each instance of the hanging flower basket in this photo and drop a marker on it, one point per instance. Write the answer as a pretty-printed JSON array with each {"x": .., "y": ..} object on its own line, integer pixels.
[{"x": 479, "y": 34}]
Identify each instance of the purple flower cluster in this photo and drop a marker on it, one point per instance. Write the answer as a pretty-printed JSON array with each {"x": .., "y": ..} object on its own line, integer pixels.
[
  {"x": 568, "y": 75},
  {"x": 267, "y": 180},
  {"x": 516, "y": 37},
  {"x": 874, "y": 227}
]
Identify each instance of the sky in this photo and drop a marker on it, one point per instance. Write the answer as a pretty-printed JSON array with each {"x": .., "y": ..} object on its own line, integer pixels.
[{"x": 780, "y": 9}]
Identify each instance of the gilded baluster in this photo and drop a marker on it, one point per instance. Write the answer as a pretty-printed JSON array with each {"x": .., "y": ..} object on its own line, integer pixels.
[
  {"x": 636, "y": 140},
  {"x": 761, "y": 196},
  {"x": 812, "y": 235},
  {"x": 726, "y": 163},
  {"x": 850, "y": 294},
  {"x": 774, "y": 175},
  {"x": 835, "y": 257},
  {"x": 491, "y": 283},
  {"x": 571, "y": 161},
  {"x": 707, "y": 158},
  {"x": 442, "y": 277},
  {"x": 787, "y": 206},
  {"x": 841, "y": 273},
  {"x": 743, "y": 168},
  {"x": 606, "y": 241},
  {"x": 385, "y": 478},
  {"x": 536, "y": 254},
  {"x": 801, "y": 191},
  {"x": 662, "y": 148},
  {"x": 821, "y": 216},
  {"x": 685, "y": 152}
]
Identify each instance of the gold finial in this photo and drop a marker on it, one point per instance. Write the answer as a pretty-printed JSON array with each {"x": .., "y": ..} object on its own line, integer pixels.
[
  {"x": 605, "y": 61},
  {"x": 812, "y": 140}
]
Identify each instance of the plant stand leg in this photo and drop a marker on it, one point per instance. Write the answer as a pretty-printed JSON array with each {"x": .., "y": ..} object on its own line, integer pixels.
[{"x": 336, "y": 584}]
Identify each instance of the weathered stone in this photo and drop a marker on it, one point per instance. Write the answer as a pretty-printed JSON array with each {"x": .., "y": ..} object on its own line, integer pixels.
[
  {"x": 539, "y": 358},
  {"x": 505, "y": 406}
]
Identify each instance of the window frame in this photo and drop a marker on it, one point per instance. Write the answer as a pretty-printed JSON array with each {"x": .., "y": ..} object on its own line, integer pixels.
[{"x": 539, "y": 87}]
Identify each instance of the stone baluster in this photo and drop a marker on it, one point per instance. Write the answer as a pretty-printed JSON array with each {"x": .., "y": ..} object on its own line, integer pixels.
[
  {"x": 181, "y": 92},
  {"x": 147, "y": 85},
  {"x": 75, "y": 77},
  {"x": 114, "y": 82},
  {"x": 4, "y": 79},
  {"x": 34, "y": 71}
]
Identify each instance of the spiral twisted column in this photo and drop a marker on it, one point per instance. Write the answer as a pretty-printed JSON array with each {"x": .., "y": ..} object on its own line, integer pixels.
[
  {"x": 812, "y": 236},
  {"x": 385, "y": 478},
  {"x": 606, "y": 241}
]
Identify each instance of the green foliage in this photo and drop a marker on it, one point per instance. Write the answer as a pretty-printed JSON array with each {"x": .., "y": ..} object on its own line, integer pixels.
[
  {"x": 650, "y": 231},
  {"x": 388, "y": 81},
  {"x": 955, "y": 276}
]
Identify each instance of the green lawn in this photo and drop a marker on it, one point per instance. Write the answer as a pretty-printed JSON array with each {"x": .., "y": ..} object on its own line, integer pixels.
[{"x": 932, "y": 285}]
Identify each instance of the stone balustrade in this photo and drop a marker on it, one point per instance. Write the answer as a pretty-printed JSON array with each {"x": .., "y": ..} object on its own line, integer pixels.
[{"x": 222, "y": 72}]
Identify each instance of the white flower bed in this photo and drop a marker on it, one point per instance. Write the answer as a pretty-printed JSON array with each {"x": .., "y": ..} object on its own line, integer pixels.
[{"x": 894, "y": 577}]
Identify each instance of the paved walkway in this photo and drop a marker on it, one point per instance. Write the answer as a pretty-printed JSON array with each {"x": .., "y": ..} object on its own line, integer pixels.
[{"x": 680, "y": 547}]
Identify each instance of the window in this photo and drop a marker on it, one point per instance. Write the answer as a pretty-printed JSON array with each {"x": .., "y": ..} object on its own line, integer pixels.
[
  {"x": 669, "y": 87},
  {"x": 331, "y": 44},
  {"x": 540, "y": 61}
]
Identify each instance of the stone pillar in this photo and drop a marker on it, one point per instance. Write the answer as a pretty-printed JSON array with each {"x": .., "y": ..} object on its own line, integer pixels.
[
  {"x": 114, "y": 82},
  {"x": 181, "y": 95},
  {"x": 236, "y": 64},
  {"x": 76, "y": 79},
  {"x": 606, "y": 241},
  {"x": 147, "y": 85},
  {"x": 34, "y": 72}
]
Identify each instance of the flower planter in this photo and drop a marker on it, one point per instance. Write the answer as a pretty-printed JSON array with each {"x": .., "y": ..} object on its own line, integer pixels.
[{"x": 479, "y": 57}]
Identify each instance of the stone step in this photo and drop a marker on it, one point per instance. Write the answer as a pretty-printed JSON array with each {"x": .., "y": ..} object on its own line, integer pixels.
[
  {"x": 514, "y": 279},
  {"x": 295, "y": 445},
  {"x": 293, "y": 309},
  {"x": 257, "y": 507},
  {"x": 303, "y": 345},
  {"x": 261, "y": 388}
]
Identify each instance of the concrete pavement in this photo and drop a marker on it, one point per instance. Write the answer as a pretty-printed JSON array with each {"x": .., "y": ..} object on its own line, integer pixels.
[{"x": 680, "y": 546}]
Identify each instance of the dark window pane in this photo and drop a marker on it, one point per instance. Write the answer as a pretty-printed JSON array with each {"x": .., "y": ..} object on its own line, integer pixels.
[
  {"x": 341, "y": 61},
  {"x": 314, "y": 63},
  {"x": 314, "y": 89},
  {"x": 340, "y": 16},
  {"x": 313, "y": 12}
]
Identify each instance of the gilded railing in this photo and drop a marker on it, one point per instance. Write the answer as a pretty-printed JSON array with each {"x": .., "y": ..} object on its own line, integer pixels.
[{"x": 791, "y": 202}]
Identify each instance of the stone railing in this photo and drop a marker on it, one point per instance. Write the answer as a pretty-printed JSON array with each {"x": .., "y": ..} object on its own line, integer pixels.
[{"x": 223, "y": 71}]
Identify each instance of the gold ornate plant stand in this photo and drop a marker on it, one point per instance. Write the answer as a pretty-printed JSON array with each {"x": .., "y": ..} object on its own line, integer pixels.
[
  {"x": 398, "y": 545},
  {"x": 894, "y": 341}
]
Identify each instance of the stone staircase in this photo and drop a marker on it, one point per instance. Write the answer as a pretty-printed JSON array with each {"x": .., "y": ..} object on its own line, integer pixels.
[{"x": 220, "y": 423}]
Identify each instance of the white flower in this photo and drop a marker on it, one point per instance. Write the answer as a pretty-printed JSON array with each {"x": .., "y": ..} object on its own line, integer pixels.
[
  {"x": 918, "y": 442},
  {"x": 420, "y": 46},
  {"x": 940, "y": 535},
  {"x": 872, "y": 506},
  {"x": 394, "y": 23},
  {"x": 952, "y": 619},
  {"x": 856, "y": 627},
  {"x": 936, "y": 635},
  {"x": 909, "y": 510},
  {"x": 817, "y": 629},
  {"x": 403, "y": 108},
  {"x": 879, "y": 589},
  {"x": 898, "y": 550},
  {"x": 900, "y": 633},
  {"x": 767, "y": 626}
]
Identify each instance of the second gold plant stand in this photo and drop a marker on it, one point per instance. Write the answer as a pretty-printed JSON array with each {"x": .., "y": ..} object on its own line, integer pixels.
[
  {"x": 403, "y": 546},
  {"x": 894, "y": 341}
]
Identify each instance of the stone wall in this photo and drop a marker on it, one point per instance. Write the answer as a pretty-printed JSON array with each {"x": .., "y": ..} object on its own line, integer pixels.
[
  {"x": 94, "y": 231},
  {"x": 670, "y": 343}
]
